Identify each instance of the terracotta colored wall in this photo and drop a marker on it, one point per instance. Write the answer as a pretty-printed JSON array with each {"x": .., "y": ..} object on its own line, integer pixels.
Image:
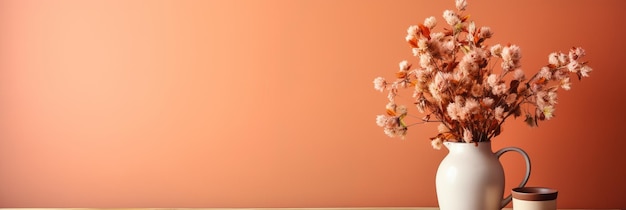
[{"x": 250, "y": 103}]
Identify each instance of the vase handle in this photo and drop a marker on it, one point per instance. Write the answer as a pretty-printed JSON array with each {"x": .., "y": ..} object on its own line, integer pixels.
[{"x": 499, "y": 153}]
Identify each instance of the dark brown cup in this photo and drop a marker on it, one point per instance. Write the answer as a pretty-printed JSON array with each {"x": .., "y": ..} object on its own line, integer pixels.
[{"x": 534, "y": 193}]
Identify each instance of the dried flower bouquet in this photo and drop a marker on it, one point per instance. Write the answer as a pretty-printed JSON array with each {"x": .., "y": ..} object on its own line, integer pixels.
[{"x": 457, "y": 86}]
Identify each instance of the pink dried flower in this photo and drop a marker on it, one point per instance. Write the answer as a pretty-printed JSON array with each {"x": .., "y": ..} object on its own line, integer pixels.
[
  {"x": 416, "y": 51},
  {"x": 472, "y": 105},
  {"x": 553, "y": 59},
  {"x": 381, "y": 120},
  {"x": 426, "y": 60},
  {"x": 453, "y": 111},
  {"x": 496, "y": 50},
  {"x": 461, "y": 4},
  {"x": 448, "y": 45},
  {"x": 547, "y": 112},
  {"x": 391, "y": 95},
  {"x": 487, "y": 101},
  {"x": 437, "y": 143},
  {"x": 512, "y": 53},
  {"x": 499, "y": 113},
  {"x": 413, "y": 30},
  {"x": 434, "y": 92},
  {"x": 467, "y": 135},
  {"x": 471, "y": 29},
  {"x": 411, "y": 33},
  {"x": 451, "y": 17},
  {"x": 380, "y": 84},
  {"x": 410, "y": 37},
  {"x": 573, "y": 66},
  {"x": 576, "y": 53},
  {"x": 437, "y": 36},
  {"x": 499, "y": 89},
  {"x": 404, "y": 65},
  {"x": 421, "y": 105},
  {"x": 563, "y": 60},
  {"x": 396, "y": 131},
  {"x": 430, "y": 22},
  {"x": 510, "y": 58},
  {"x": 552, "y": 97},
  {"x": 391, "y": 106},
  {"x": 422, "y": 45},
  {"x": 492, "y": 80},
  {"x": 584, "y": 71},
  {"x": 545, "y": 73},
  {"x": 519, "y": 75},
  {"x": 485, "y": 32}
]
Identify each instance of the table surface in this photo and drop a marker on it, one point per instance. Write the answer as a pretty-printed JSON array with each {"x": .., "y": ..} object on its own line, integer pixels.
[{"x": 355, "y": 208}]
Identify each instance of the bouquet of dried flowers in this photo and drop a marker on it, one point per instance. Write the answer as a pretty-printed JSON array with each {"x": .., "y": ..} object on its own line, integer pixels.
[{"x": 456, "y": 85}]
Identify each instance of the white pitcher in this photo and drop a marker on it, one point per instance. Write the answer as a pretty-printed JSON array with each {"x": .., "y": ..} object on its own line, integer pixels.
[{"x": 471, "y": 177}]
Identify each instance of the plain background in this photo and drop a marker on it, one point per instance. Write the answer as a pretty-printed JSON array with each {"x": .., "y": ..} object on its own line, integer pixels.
[{"x": 270, "y": 103}]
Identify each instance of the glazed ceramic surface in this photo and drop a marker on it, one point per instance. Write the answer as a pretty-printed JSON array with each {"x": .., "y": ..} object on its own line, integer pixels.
[{"x": 471, "y": 177}]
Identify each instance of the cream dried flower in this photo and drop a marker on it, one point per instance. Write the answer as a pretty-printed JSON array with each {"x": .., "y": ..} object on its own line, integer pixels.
[
  {"x": 548, "y": 112},
  {"x": 430, "y": 22},
  {"x": 553, "y": 59},
  {"x": 437, "y": 143},
  {"x": 467, "y": 135},
  {"x": 461, "y": 4},
  {"x": 380, "y": 84},
  {"x": 451, "y": 17}
]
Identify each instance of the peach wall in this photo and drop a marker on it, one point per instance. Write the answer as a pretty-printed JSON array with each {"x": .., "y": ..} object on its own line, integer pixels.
[{"x": 250, "y": 103}]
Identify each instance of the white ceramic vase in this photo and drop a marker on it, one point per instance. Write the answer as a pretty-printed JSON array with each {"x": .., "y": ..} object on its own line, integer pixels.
[{"x": 471, "y": 177}]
